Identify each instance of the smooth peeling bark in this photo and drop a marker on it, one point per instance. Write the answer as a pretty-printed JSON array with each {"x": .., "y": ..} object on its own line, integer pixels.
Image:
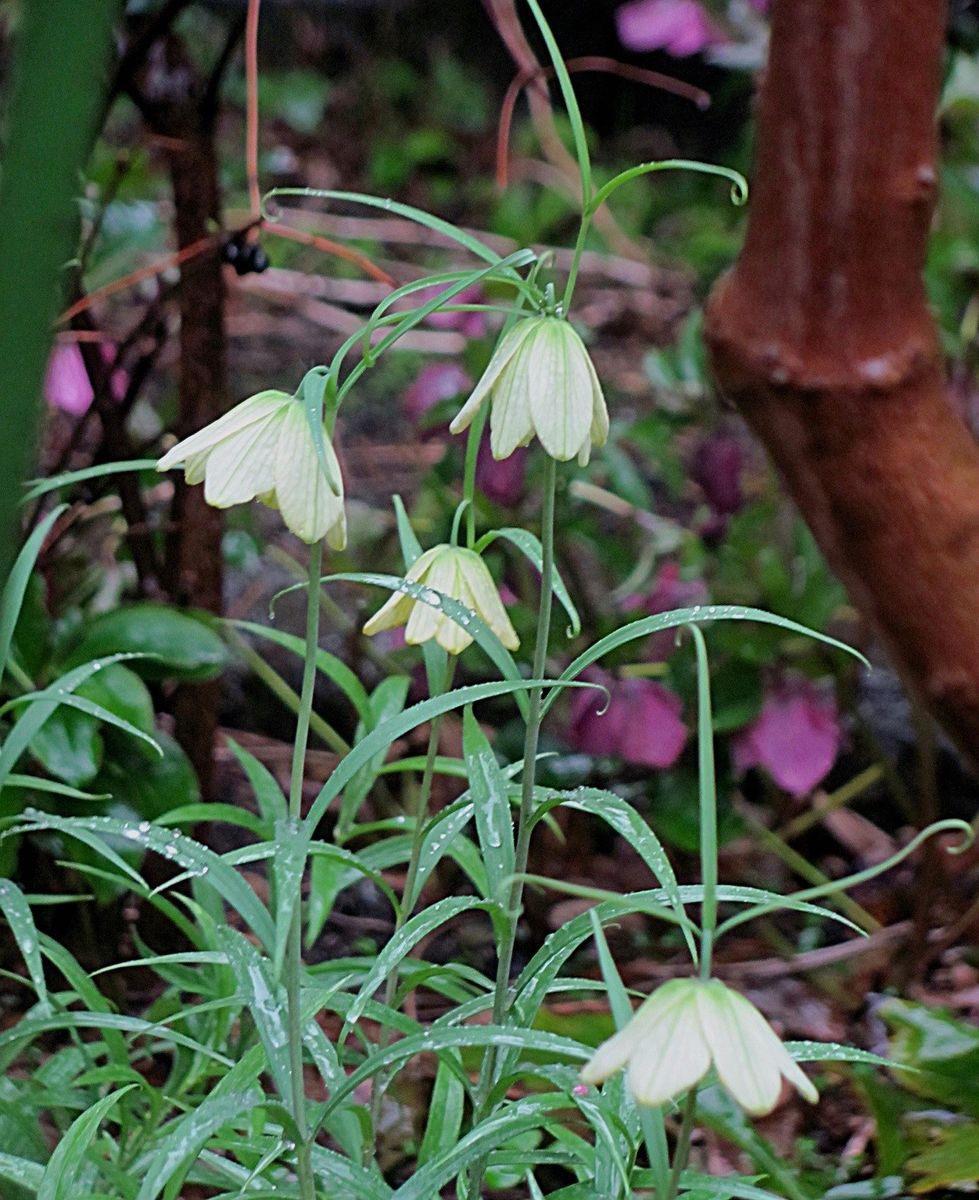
[{"x": 821, "y": 334}]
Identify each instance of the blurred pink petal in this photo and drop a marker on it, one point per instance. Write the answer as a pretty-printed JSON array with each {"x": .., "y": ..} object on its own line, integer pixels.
[
  {"x": 66, "y": 385},
  {"x": 796, "y": 737},
  {"x": 596, "y": 729},
  {"x": 760, "y": 6},
  {"x": 436, "y": 382},
  {"x": 717, "y": 466},
  {"x": 653, "y": 733},
  {"x": 680, "y": 27},
  {"x": 642, "y": 723},
  {"x": 503, "y": 481}
]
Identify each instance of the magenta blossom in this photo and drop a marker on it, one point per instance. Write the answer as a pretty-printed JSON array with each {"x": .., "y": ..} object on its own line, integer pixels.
[
  {"x": 680, "y": 27},
  {"x": 796, "y": 737},
  {"x": 641, "y": 725},
  {"x": 503, "y": 480},
  {"x": 436, "y": 382},
  {"x": 67, "y": 385}
]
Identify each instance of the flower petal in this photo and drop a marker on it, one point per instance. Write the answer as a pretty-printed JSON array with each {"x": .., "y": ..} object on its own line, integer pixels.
[
  {"x": 502, "y": 355},
  {"x": 511, "y": 425},
  {"x": 308, "y": 504},
  {"x": 671, "y": 1062},
  {"x": 744, "y": 1047},
  {"x": 255, "y": 408},
  {"x": 242, "y": 465},
  {"x": 561, "y": 398},
  {"x": 394, "y": 612},
  {"x": 480, "y": 593}
]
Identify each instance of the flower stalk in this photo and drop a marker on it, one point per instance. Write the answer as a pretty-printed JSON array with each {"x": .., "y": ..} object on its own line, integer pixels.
[{"x": 293, "y": 959}]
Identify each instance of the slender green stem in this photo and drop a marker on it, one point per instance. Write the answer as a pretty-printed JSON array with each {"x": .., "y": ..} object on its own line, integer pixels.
[
  {"x": 525, "y": 822},
  {"x": 708, "y": 806},
  {"x": 531, "y": 740},
  {"x": 579, "y": 250},
  {"x": 294, "y": 950},
  {"x": 681, "y": 1151},
  {"x": 411, "y": 882},
  {"x": 469, "y": 477}
]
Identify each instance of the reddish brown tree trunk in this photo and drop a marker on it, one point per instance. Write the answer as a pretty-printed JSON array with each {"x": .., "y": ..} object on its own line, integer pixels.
[{"x": 822, "y": 336}]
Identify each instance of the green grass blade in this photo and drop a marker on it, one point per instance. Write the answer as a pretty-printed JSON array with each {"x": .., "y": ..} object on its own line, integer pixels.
[
  {"x": 60, "y": 1176},
  {"x": 16, "y": 586}
]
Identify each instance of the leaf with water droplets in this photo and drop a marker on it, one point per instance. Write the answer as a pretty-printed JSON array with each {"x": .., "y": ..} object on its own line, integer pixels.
[
  {"x": 61, "y": 1175},
  {"x": 266, "y": 1002},
  {"x": 183, "y": 1140},
  {"x": 19, "y": 917},
  {"x": 491, "y": 803},
  {"x": 178, "y": 848},
  {"x": 647, "y": 626}
]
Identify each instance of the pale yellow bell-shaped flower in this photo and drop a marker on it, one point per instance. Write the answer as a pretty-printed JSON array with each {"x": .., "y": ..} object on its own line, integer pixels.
[
  {"x": 541, "y": 381},
  {"x": 263, "y": 449},
  {"x": 459, "y": 574},
  {"x": 685, "y": 1027}
]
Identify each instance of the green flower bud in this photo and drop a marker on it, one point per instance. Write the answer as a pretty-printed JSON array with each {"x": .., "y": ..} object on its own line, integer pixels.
[
  {"x": 541, "y": 381},
  {"x": 460, "y": 574},
  {"x": 263, "y": 449},
  {"x": 685, "y": 1027}
]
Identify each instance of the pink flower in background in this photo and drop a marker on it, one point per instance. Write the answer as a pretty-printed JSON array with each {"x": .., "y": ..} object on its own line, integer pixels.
[
  {"x": 437, "y": 382},
  {"x": 642, "y": 723},
  {"x": 796, "y": 737},
  {"x": 760, "y": 6},
  {"x": 66, "y": 385},
  {"x": 717, "y": 465},
  {"x": 503, "y": 480},
  {"x": 680, "y": 27}
]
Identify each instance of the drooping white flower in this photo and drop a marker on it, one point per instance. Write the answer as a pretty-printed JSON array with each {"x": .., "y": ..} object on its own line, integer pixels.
[
  {"x": 460, "y": 574},
  {"x": 685, "y": 1027},
  {"x": 541, "y": 381},
  {"x": 263, "y": 449}
]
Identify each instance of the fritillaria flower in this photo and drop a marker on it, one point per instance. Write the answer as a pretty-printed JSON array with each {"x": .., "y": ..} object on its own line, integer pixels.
[
  {"x": 263, "y": 449},
  {"x": 541, "y": 381},
  {"x": 459, "y": 574},
  {"x": 688, "y": 1026}
]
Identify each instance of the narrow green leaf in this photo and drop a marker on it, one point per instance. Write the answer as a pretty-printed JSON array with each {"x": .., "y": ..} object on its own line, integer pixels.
[
  {"x": 647, "y": 626},
  {"x": 491, "y": 804},
  {"x": 327, "y": 664},
  {"x": 21, "y": 1171},
  {"x": 16, "y": 586},
  {"x": 266, "y": 1002},
  {"x": 41, "y": 487},
  {"x": 173, "y": 846},
  {"x": 183, "y": 1139},
  {"x": 408, "y": 936},
  {"x": 21, "y": 921},
  {"x": 529, "y": 546},
  {"x": 61, "y": 1175}
]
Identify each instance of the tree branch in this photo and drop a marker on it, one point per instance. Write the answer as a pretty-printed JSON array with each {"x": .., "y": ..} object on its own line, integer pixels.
[{"x": 822, "y": 336}]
